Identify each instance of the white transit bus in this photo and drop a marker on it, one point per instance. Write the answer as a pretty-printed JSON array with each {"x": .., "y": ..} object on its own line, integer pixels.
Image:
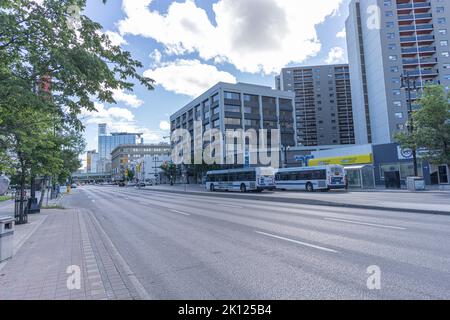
[
  {"x": 244, "y": 180},
  {"x": 311, "y": 178}
]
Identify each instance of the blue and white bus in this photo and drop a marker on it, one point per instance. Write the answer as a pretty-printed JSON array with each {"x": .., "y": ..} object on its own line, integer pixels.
[
  {"x": 311, "y": 178},
  {"x": 243, "y": 180}
]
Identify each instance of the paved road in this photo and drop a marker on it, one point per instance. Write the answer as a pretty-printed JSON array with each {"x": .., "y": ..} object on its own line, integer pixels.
[
  {"x": 438, "y": 201},
  {"x": 196, "y": 247}
]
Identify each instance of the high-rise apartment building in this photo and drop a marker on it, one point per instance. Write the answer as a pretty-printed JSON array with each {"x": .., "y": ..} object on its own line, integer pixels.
[
  {"x": 387, "y": 39},
  {"x": 323, "y": 103}
]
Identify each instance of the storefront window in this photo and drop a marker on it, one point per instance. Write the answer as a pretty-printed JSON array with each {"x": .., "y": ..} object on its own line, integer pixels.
[
  {"x": 388, "y": 168},
  {"x": 406, "y": 169}
]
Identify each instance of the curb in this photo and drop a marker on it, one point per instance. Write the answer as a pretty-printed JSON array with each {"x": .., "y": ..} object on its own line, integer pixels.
[{"x": 302, "y": 201}]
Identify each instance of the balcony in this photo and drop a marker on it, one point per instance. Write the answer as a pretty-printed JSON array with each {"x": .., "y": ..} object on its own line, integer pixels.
[
  {"x": 418, "y": 50},
  {"x": 415, "y": 17},
  {"x": 421, "y": 61},
  {"x": 405, "y": 6},
  {"x": 416, "y": 27},
  {"x": 417, "y": 39},
  {"x": 422, "y": 72}
]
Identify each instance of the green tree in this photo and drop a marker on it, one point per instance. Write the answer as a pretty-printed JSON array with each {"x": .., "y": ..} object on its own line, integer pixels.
[
  {"x": 170, "y": 171},
  {"x": 431, "y": 125},
  {"x": 74, "y": 64},
  {"x": 130, "y": 175},
  {"x": 50, "y": 70}
]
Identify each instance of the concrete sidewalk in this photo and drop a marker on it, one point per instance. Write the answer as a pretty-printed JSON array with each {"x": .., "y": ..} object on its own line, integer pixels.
[
  {"x": 431, "y": 202},
  {"x": 49, "y": 252}
]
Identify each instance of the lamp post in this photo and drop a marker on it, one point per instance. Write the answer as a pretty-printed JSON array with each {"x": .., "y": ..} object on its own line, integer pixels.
[
  {"x": 285, "y": 149},
  {"x": 409, "y": 85}
]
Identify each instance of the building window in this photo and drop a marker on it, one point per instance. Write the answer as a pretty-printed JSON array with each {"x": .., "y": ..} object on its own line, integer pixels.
[
  {"x": 232, "y": 95},
  {"x": 232, "y": 121},
  {"x": 215, "y": 98},
  {"x": 232, "y": 108}
]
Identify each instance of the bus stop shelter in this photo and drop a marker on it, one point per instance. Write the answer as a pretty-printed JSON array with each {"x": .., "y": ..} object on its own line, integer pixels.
[{"x": 361, "y": 176}]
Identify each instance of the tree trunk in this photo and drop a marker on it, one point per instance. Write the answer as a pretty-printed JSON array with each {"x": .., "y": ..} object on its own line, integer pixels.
[
  {"x": 22, "y": 197},
  {"x": 43, "y": 190},
  {"x": 33, "y": 186}
]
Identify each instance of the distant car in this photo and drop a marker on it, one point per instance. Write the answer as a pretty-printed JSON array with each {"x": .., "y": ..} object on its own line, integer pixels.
[
  {"x": 74, "y": 186},
  {"x": 141, "y": 184},
  {"x": 122, "y": 184}
]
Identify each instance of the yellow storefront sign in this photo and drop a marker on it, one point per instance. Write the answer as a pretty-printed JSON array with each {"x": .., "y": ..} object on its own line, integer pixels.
[{"x": 343, "y": 160}]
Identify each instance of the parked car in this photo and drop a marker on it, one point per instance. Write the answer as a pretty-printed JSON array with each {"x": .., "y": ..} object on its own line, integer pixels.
[{"x": 74, "y": 186}]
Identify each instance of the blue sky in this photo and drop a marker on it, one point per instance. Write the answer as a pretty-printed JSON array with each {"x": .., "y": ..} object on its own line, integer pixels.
[{"x": 188, "y": 46}]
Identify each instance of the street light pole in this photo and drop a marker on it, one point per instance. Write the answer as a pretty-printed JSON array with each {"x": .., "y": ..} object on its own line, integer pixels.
[{"x": 408, "y": 89}]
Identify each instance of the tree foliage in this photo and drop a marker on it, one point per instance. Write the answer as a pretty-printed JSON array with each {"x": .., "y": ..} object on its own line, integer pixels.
[
  {"x": 54, "y": 63},
  {"x": 431, "y": 125}
]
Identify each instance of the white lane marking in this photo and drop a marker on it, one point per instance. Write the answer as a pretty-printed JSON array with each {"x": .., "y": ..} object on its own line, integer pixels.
[
  {"x": 230, "y": 206},
  {"x": 180, "y": 212},
  {"x": 93, "y": 200},
  {"x": 298, "y": 242},
  {"x": 366, "y": 224}
]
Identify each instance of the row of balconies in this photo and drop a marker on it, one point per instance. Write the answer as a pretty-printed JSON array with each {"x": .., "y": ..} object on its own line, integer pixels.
[
  {"x": 416, "y": 27},
  {"x": 415, "y": 5},
  {"x": 419, "y": 16},
  {"x": 418, "y": 49},
  {"x": 421, "y": 61}
]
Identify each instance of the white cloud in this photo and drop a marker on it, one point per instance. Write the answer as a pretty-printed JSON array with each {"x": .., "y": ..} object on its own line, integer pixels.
[
  {"x": 188, "y": 77},
  {"x": 120, "y": 120},
  {"x": 253, "y": 35},
  {"x": 164, "y": 125},
  {"x": 116, "y": 39},
  {"x": 106, "y": 115},
  {"x": 130, "y": 100},
  {"x": 341, "y": 34},
  {"x": 336, "y": 55}
]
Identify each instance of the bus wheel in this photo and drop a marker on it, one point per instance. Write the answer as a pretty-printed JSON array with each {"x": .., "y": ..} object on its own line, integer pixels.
[
  {"x": 212, "y": 188},
  {"x": 309, "y": 187},
  {"x": 243, "y": 188}
]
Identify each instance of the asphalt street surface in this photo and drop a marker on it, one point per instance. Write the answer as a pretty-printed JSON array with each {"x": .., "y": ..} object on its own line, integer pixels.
[{"x": 196, "y": 247}]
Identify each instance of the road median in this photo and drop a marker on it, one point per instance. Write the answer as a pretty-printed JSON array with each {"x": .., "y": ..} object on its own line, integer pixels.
[{"x": 313, "y": 202}]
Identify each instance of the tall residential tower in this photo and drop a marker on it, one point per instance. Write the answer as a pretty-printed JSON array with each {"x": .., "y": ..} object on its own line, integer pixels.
[
  {"x": 387, "y": 39},
  {"x": 323, "y": 103}
]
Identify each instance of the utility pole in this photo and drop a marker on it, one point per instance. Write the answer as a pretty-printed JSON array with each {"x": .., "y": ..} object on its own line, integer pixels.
[{"x": 409, "y": 85}]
